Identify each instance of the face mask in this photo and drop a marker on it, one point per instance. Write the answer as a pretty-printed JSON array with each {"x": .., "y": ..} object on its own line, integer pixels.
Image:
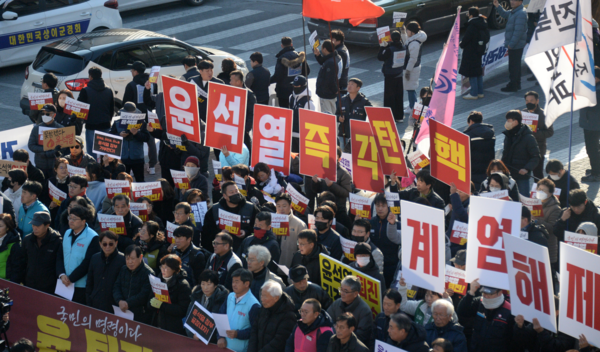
[
  {"x": 530, "y": 106},
  {"x": 191, "y": 171},
  {"x": 426, "y": 101},
  {"x": 541, "y": 195},
  {"x": 492, "y": 303},
  {"x": 495, "y": 189},
  {"x": 321, "y": 226},
  {"x": 358, "y": 239},
  {"x": 298, "y": 90},
  {"x": 259, "y": 233},
  {"x": 363, "y": 261},
  {"x": 554, "y": 177},
  {"x": 236, "y": 198},
  {"x": 508, "y": 126},
  {"x": 46, "y": 118}
]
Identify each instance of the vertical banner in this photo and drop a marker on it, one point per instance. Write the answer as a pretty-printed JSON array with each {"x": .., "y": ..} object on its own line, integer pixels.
[
  {"x": 151, "y": 190},
  {"x": 299, "y": 202},
  {"x": 360, "y": 206},
  {"x": 579, "y": 311},
  {"x": 116, "y": 187},
  {"x": 170, "y": 229},
  {"x": 160, "y": 289},
  {"x": 226, "y": 117},
  {"x": 318, "y": 144},
  {"x": 489, "y": 220},
  {"x": 180, "y": 179},
  {"x": 530, "y": 280},
  {"x": 423, "y": 246},
  {"x": 272, "y": 137},
  {"x": 391, "y": 154},
  {"x": 280, "y": 224},
  {"x": 366, "y": 170},
  {"x": 450, "y": 156},
  {"x": 181, "y": 108},
  {"x": 588, "y": 243}
]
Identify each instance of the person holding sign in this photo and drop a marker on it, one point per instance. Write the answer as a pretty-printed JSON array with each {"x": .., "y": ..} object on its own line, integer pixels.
[
  {"x": 385, "y": 226},
  {"x": 301, "y": 98},
  {"x": 345, "y": 338},
  {"x": 206, "y": 75},
  {"x": 104, "y": 269},
  {"x": 171, "y": 315},
  {"x": 424, "y": 189},
  {"x": 133, "y": 223},
  {"x": 365, "y": 263},
  {"x": 535, "y": 233},
  {"x": 153, "y": 244},
  {"x": 392, "y": 54},
  {"x": 351, "y": 302},
  {"x": 183, "y": 216},
  {"x": 64, "y": 119},
  {"x": 458, "y": 212},
  {"x": 551, "y": 213},
  {"x": 132, "y": 152},
  {"x": 60, "y": 180},
  {"x": 337, "y": 39},
  {"x": 580, "y": 210},
  {"x": 313, "y": 330},
  {"x": 327, "y": 236},
  {"x": 210, "y": 295},
  {"x": 483, "y": 146},
  {"x": 78, "y": 157},
  {"x": 414, "y": 39},
  {"x": 289, "y": 243},
  {"x": 542, "y": 132},
  {"x": 290, "y": 64},
  {"x": 49, "y": 83},
  {"x": 331, "y": 69},
  {"x": 421, "y": 309},
  {"x": 44, "y": 160}
]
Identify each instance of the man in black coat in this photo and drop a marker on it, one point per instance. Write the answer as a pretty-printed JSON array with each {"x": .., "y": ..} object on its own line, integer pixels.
[
  {"x": 345, "y": 339},
  {"x": 521, "y": 153},
  {"x": 262, "y": 236},
  {"x": 206, "y": 75},
  {"x": 134, "y": 90},
  {"x": 40, "y": 252},
  {"x": 308, "y": 255},
  {"x": 329, "y": 73},
  {"x": 353, "y": 108},
  {"x": 406, "y": 334},
  {"x": 470, "y": 65},
  {"x": 391, "y": 305},
  {"x": 289, "y": 65},
  {"x": 237, "y": 80},
  {"x": 258, "y": 79},
  {"x": 337, "y": 39},
  {"x": 542, "y": 132},
  {"x": 580, "y": 210},
  {"x": 301, "y": 290},
  {"x": 191, "y": 70},
  {"x": 133, "y": 223},
  {"x": 424, "y": 189},
  {"x": 224, "y": 262},
  {"x": 536, "y": 232},
  {"x": 193, "y": 259},
  {"x": 393, "y": 65},
  {"x": 49, "y": 83},
  {"x": 557, "y": 173},
  {"x": 483, "y": 144},
  {"x": 132, "y": 288},
  {"x": 104, "y": 269}
]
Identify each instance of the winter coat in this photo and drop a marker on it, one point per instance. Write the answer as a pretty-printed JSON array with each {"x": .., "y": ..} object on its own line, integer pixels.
[
  {"x": 544, "y": 132},
  {"x": 452, "y": 332},
  {"x": 258, "y": 81},
  {"x": 200, "y": 182},
  {"x": 372, "y": 269},
  {"x": 260, "y": 278},
  {"x": 83, "y": 162},
  {"x": 289, "y": 244},
  {"x": 134, "y": 288},
  {"x": 341, "y": 188},
  {"x": 418, "y": 309},
  {"x": 25, "y": 216},
  {"x": 376, "y": 253},
  {"x": 224, "y": 76},
  {"x": 133, "y": 224},
  {"x": 211, "y": 226},
  {"x": 170, "y": 316},
  {"x": 326, "y": 79},
  {"x": 351, "y": 110},
  {"x": 545, "y": 341},
  {"x": 273, "y": 326},
  {"x": 331, "y": 240},
  {"x": 102, "y": 104},
  {"x": 345, "y": 56},
  {"x": 483, "y": 149},
  {"x": 381, "y": 323},
  {"x": 36, "y": 115},
  {"x": 470, "y": 64},
  {"x": 297, "y": 102},
  {"x": 96, "y": 192},
  {"x": 132, "y": 151},
  {"x": 40, "y": 261},
  {"x": 511, "y": 185},
  {"x": 68, "y": 120},
  {"x": 269, "y": 241},
  {"x": 45, "y": 196},
  {"x": 215, "y": 301},
  {"x": 515, "y": 36},
  {"x": 289, "y": 64},
  {"x": 7, "y": 206},
  {"x": 311, "y": 262},
  {"x": 193, "y": 262},
  {"x": 413, "y": 194},
  {"x": 325, "y": 326},
  {"x": 131, "y": 92},
  {"x": 115, "y": 170},
  {"x": 552, "y": 212},
  {"x": 203, "y": 101},
  {"x": 191, "y": 72},
  {"x": 589, "y": 117},
  {"x": 386, "y": 54},
  {"x": 361, "y": 311},
  {"x": 312, "y": 291},
  {"x": 590, "y": 213},
  {"x": 224, "y": 266},
  {"x": 12, "y": 262},
  {"x": 412, "y": 63},
  {"x": 460, "y": 213},
  {"x": 43, "y": 159},
  {"x": 354, "y": 345},
  {"x": 101, "y": 278},
  {"x": 536, "y": 233},
  {"x": 235, "y": 158},
  {"x": 387, "y": 239},
  {"x": 15, "y": 198},
  {"x": 415, "y": 341},
  {"x": 521, "y": 151},
  {"x": 153, "y": 252}
]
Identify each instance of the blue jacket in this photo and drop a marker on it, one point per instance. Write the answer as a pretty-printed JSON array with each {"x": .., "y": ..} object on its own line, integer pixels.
[
  {"x": 25, "y": 216},
  {"x": 133, "y": 145},
  {"x": 96, "y": 192},
  {"x": 235, "y": 158},
  {"x": 515, "y": 36},
  {"x": 241, "y": 316},
  {"x": 452, "y": 332}
]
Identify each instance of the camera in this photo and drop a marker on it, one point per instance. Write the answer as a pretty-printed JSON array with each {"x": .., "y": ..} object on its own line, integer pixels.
[{"x": 5, "y": 302}]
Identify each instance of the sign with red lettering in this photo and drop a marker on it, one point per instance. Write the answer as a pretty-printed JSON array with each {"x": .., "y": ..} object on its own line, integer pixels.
[
  {"x": 299, "y": 202},
  {"x": 200, "y": 322},
  {"x": 579, "y": 310},
  {"x": 502, "y": 194},
  {"x": 419, "y": 111},
  {"x": 153, "y": 121},
  {"x": 391, "y": 154},
  {"x": 41, "y": 131},
  {"x": 140, "y": 210},
  {"x": 116, "y": 187},
  {"x": 366, "y": 168},
  {"x": 360, "y": 206},
  {"x": 534, "y": 205},
  {"x": 160, "y": 289},
  {"x": 56, "y": 194},
  {"x": 318, "y": 144},
  {"x": 74, "y": 170},
  {"x": 7, "y": 165},
  {"x": 77, "y": 108},
  {"x": 150, "y": 190},
  {"x": 170, "y": 229},
  {"x": 181, "y": 108},
  {"x": 530, "y": 279},
  {"x": 230, "y": 222},
  {"x": 226, "y": 117},
  {"x": 530, "y": 119},
  {"x": 154, "y": 72},
  {"x": 459, "y": 233},
  {"x": 180, "y": 179},
  {"x": 455, "y": 280},
  {"x": 272, "y": 137},
  {"x": 393, "y": 201},
  {"x": 489, "y": 221},
  {"x": 586, "y": 242},
  {"x": 418, "y": 160},
  {"x": 280, "y": 224},
  {"x": 423, "y": 246},
  {"x": 114, "y": 223},
  {"x": 38, "y": 100},
  {"x": 450, "y": 156}
]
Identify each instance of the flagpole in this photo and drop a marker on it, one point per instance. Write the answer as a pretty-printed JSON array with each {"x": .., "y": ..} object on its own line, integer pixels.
[
  {"x": 305, "y": 53},
  {"x": 572, "y": 100}
]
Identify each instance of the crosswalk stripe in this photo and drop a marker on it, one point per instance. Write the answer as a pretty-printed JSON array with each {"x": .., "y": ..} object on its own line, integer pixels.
[
  {"x": 9, "y": 107},
  {"x": 243, "y": 29},
  {"x": 208, "y": 22},
  {"x": 246, "y": 55},
  {"x": 7, "y": 85},
  {"x": 459, "y": 121},
  {"x": 272, "y": 39},
  {"x": 171, "y": 16}
]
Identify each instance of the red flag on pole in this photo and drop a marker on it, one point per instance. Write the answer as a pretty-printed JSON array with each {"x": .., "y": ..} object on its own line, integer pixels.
[{"x": 355, "y": 10}]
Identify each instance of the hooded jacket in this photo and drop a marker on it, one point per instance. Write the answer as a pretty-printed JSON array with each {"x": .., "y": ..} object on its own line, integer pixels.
[
  {"x": 470, "y": 65},
  {"x": 326, "y": 79},
  {"x": 134, "y": 288},
  {"x": 102, "y": 104},
  {"x": 170, "y": 316},
  {"x": 351, "y": 110},
  {"x": 483, "y": 149},
  {"x": 520, "y": 151},
  {"x": 101, "y": 279},
  {"x": 273, "y": 326},
  {"x": 132, "y": 151},
  {"x": 40, "y": 261},
  {"x": 44, "y": 159},
  {"x": 325, "y": 326},
  {"x": 12, "y": 263},
  {"x": 289, "y": 65},
  {"x": 312, "y": 291},
  {"x": 412, "y": 61},
  {"x": 311, "y": 262},
  {"x": 131, "y": 92},
  {"x": 361, "y": 311},
  {"x": 415, "y": 341},
  {"x": 589, "y": 228},
  {"x": 452, "y": 332}
]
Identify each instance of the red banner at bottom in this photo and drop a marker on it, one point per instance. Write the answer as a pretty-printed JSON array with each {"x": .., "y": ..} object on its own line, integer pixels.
[{"x": 56, "y": 324}]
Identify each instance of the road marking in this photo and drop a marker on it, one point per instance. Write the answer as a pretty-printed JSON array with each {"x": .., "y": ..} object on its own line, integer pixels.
[
  {"x": 490, "y": 110},
  {"x": 8, "y": 85},
  {"x": 246, "y": 56},
  {"x": 171, "y": 16},
  {"x": 272, "y": 39},
  {"x": 14, "y": 108},
  {"x": 208, "y": 22}
]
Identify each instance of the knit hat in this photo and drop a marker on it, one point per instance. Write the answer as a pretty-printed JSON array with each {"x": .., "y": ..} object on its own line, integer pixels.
[
  {"x": 193, "y": 160},
  {"x": 362, "y": 248},
  {"x": 589, "y": 228}
]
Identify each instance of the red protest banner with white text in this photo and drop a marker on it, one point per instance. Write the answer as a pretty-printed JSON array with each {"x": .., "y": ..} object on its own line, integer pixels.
[
  {"x": 114, "y": 223},
  {"x": 226, "y": 117},
  {"x": 391, "y": 154},
  {"x": 360, "y": 206},
  {"x": 38, "y": 100},
  {"x": 180, "y": 179},
  {"x": 230, "y": 222},
  {"x": 531, "y": 120},
  {"x": 140, "y": 210},
  {"x": 116, "y": 187},
  {"x": 530, "y": 280},
  {"x": 583, "y": 241},
  {"x": 181, "y": 108},
  {"x": 170, "y": 229},
  {"x": 489, "y": 221},
  {"x": 151, "y": 190},
  {"x": 534, "y": 205},
  {"x": 423, "y": 246},
  {"x": 74, "y": 170},
  {"x": 418, "y": 160},
  {"x": 79, "y": 108},
  {"x": 366, "y": 169},
  {"x": 450, "y": 156},
  {"x": 272, "y": 137},
  {"x": 348, "y": 248},
  {"x": 579, "y": 310},
  {"x": 459, "y": 233},
  {"x": 318, "y": 144},
  {"x": 160, "y": 289},
  {"x": 56, "y": 194},
  {"x": 280, "y": 224},
  {"x": 299, "y": 202},
  {"x": 455, "y": 280}
]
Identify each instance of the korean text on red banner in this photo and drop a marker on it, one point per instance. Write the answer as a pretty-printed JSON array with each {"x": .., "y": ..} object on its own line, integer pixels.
[
  {"x": 366, "y": 169},
  {"x": 77, "y": 108},
  {"x": 160, "y": 289},
  {"x": 150, "y": 190},
  {"x": 360, "y": 206},
  {"x": 170, "y": 229},
  {"x": 272, "y": 137},
  {"x": 140, "y": 210},
  {"x": 230, "y": 222},
  {"x": 56, "y": 194},
  {"x": 391, "y": 154},
  {"x": 38, "y": 100},
  {"x": 318, "y": 144},
  {"x": 226, "y": 117},
  {"x": 586, "y": 242},
  {"x": 181, "y": 109},
  {"x": 280, "y": 224},
  {"x": 450, "y": 156},
  {"x": 534, "y": 205},
  {"x": 116, "y": 187},
  {"x": 114, "y": 223},
  {"x": 299, "y": 202},
  {"x": 180, "y": 179},
  {"x": 455, "y": 280}
]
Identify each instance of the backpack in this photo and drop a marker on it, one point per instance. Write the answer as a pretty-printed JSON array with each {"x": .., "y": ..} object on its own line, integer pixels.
[{"x": 484, "y": 41}]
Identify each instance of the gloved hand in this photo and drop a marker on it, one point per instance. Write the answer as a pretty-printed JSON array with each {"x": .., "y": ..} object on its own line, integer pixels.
[
  {"x": 155, "y": 303},
  {"x": 184, "y": 139},
  {"x": 57, "y": 152}
]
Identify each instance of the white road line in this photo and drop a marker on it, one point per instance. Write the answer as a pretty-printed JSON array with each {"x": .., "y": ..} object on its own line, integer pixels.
[
  {"x": 208, "y": 22},
  {"x": 14, "y": 108},
  {"x": 459, "y": 121},
  {"x": 172, "y": 16},
  {"x": 8, "y": 85},
  {"x": 315, "y": 67},
  {"x": 272, "y": 39},
  {"x": 243, "y": 29},
  {"x": 246, "y": 55}
]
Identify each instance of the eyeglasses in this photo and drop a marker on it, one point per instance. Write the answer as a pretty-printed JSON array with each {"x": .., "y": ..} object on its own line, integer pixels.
[
  {"x": 302, "y": 244},
  {"x": 180, "y": 214},
  {"x": 75, "y": 147},
  {"x": 109, "y": 244},
  {"x": 73, "y": 218},
  {"x": 215, "y": 243},
  {"x": 73, "y": 186},
  {"x": 345, "y": 292},
  {"x": 304, "y": 311}
]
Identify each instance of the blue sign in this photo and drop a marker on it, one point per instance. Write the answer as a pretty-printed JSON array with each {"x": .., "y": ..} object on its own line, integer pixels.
[{"x": 13, "y": 40}]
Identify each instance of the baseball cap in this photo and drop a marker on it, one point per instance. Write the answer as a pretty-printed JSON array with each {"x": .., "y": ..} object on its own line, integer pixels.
[
  {"x": 40, "y": 218},
  {"x": 460, "y": 258},
  {"x": 298, "y": 273},
  {"x": 50, "y": 108},
  {"x": 299, "y": 81},
  {"x": 138, "y": 66},
  {"x": 489, "y": 290}
]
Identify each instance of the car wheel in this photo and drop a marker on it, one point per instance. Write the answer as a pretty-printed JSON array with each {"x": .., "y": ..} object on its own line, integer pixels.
[
  {"x": 194, "y": 2},
  {"x": 497, "y": 21}
]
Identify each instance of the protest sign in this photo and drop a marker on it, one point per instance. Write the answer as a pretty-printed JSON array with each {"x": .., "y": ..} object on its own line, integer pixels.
[
  {"x": 489, "y": 221},
  {"x": 130, "y": 120},
  {"x": 459, "y": 233},
  {"x": 418, "y": 160},
  {"x": 226, "y": 117},
  {"x": 217, "y": 170},
  {"x": 346, "y": 162},
  {"x": 530, "y": 280},
  {"x": 384, "y": 35},
  {"x": 181, "y": 109},
  {"x": 534, "y": 205},
  {"x": 63, "y": 137},
  {"x": 389, "y": 148},
  {"x": 450, "y": 156},
  {"x": 332, "y": 273},
  {"x": 38, "y": 100},
  {"x": 41, "y": 131},
  {"x": 360, "y": 206},
  {"x": 180, "y": 179},
  {"x": 366, "y": 168},
  {"x": 140, "y": 210},
  {"x": 108, "y": 144},
  {"x": 116, "y": 187},
  {"x": 56, "y": 195},
  {"x": 419, "y": 110},
  {"x": 200, "y": 322},
  {"x": 160, "y": 289},
  {"x": 398, "y": 18},
  {"x": 153, "y": 121},
  {"x": 74, "y": 170},
  {"x": 114, "y": 223},
  {"x": 170, "y": 229},
  {"x": 7, "y": 165},
  {"x": 175, "y": 142},
  {"x": 318, "y": 144},
  {"x": 230, "y": 222},
  {"x": 455, "y": 280},
  {"x": 199, "y": 211},
  {"x": 150, "y": 190},
  {"x": 502, "y": 194},
  {"x": 241, "y": 184},
  {"x": 579, "y": 310},
  {"x": 348, "y": 248},
  {"x": 272, "y": 137},
  {"x": 393, "y": 200},
  {"x": 299, "y": 202},
  {"x": 314, "y": 41},
  {"x": 77, "y": 108},
  {"x": 423, "y": 243},
  {"x": 280, "y": 224},
  {"x": 531, "y": 120},
  {"x": 14, "y": 139},
  {"x": 586, "y": 242},
  {"x": 381, "y": 346},
  {"x": 154, "y": 72}
]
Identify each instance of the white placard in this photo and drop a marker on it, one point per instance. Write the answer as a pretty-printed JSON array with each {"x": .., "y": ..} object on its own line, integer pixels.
[
  {"x": 502, "y": 194},
  {"x": 222, "y": 323},
  {"x": 64, "y": 291},
  {"x": 126, "y": 314},
  {"x": 381, "y": 346},
  {"x": 74, "y": 170}
]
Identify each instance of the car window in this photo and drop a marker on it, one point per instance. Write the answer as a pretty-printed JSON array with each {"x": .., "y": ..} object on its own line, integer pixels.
[
  {"x": 24, "y": 7},
  {"x": 168, "y": 54},
  {"x": 104, "y": 59},
  {"x": 56, "y": 4},
  {"x": 128, "y": 56}
]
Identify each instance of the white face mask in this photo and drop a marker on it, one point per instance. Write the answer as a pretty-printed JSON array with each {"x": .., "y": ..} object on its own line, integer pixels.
[
  {"x": 495, "y": 189},
  {"x": 554, "y": 177},
  {"x": 363, "y": 261},
  {"x": 492, "y": 303},
  {"x": 46, "y": 118},
  {"x": 191, "y": 171},
  {"x": 541, "y": 195}
]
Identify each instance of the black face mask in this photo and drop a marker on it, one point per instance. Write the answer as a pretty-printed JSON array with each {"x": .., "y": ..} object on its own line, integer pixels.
[
  {"x": 531, "y": 106},
  {"x": 426, "y": 101},
  {"x": 321, "y": 226},
  {"x": 358, "y": 239},
  {"x": 236, "y": 198},
  {"x": 298, "y": 90}
]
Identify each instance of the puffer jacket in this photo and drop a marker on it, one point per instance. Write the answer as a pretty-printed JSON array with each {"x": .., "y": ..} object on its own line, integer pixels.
[
  {"x": 312, "y": 291},
  {"x": 101, "y": 278},
  {"x": 415, "y": 341},
  {"x": 134, "y": 288},
  {"x": 13, "y": 268},
  {"x": 322, "y": 322},
  {"x": 452, "y": 332},
  {"x": 44, "y": 160},
  {"x": 361, "y": 311},
  {"x": 521, "y": 151},
  {"x": 273, "y": 326},
  {"x": 269, "y": 241},
  {"x": 215, "y": 301},
  {"x": 551, "y": 209},
  {"x": 326, "y": 80},
  {"x": 515, "y": 36},
  {"x": 351, "y": 110},
  {"x": 170, "y": 316},
  {"x": 15, "y": 198},
  {"x": 311, "y": 262},
  {"x": 40, "y": 261},
  {"x": 343, "y": 52},
  {"x": 483, "y": 149},
  {"x": 354, "y": 345},
  {"x": 288, "y": 62},
  {"x": 412, "y": 63}
]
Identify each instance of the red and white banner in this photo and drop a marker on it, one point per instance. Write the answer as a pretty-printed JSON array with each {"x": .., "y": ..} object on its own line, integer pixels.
[
  {"x": 114, "y": 223},
  {"x": 459, "y": 233},
  {"x": 226, "y": 117},
  {"x": 272, "y": 137},
  {"x": 534, "y": 205},
  {"x": 153, "y": 121},
  {"x": 579, "y": 311},
  {"x": 419, "y": 111},
  {"x": 180, "y": 179},
  {"x": 140, "y": 210},
  {"x": 418, "y": 160},
  {"x": 230, "y": 222},
  {"x": 151, "y": 190},
  {"x": 56, "y": 194},
  {"x": 389, "y": 148},
  {"x": 489, "y": 220},
  {"x": 502, "y": 194},
  {"x": 586, "y": 242},
  {"x": 393, "y": 200},
  {"x": 116, "y": 187},
  {"x": 154, "y": 72},
  {"x": 450, "y": 156},
  {"x": 531, "y": 120},
  {"x": 423, "y": 246},
  {"x": 455, "y": 280},
  {"x": 41, "y": 130},
  {"x": 318, "y": 144},
  {"x": 79, "y": 108},
  {"x": 360, "y": 206},
  {"x": 366, "y": 168},
  {"x": 530, "y": 279},
  {"x": 181, "y": 109},
  {"x": 280, "y": 224},
  {"x": 348, "y": 248},
  {"x": 170, "y": 229},
  {"x": 38, "y": 100},
  {"x": 160, "y": 289},
  {"x": 299, "y": 202},
  {"x": 74, "y": 170}
]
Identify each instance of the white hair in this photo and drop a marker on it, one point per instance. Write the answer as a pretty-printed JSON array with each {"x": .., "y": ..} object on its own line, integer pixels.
[
  {"x": 444, "y": 303},
  {"x": 261, "y": 252},
  {"x": 273, "y": 288}
]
